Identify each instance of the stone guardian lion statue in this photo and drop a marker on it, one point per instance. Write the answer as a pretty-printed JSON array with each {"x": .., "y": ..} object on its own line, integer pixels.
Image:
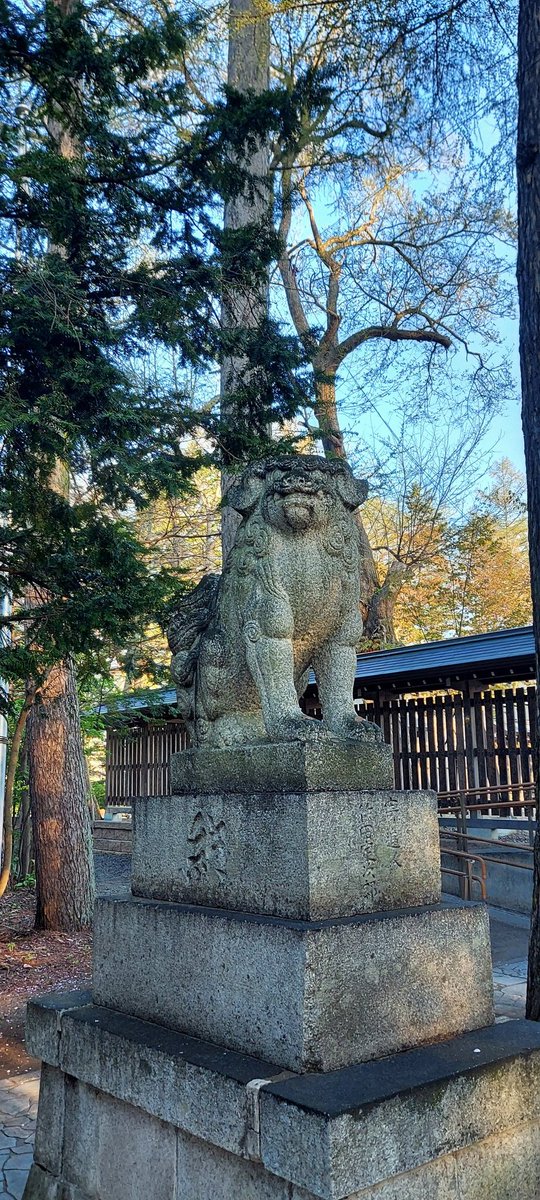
[{"x": 243, "y": 643}]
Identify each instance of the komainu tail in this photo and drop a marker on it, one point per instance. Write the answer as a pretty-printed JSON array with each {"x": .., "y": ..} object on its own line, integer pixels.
[{"x": 186, "y": 627}]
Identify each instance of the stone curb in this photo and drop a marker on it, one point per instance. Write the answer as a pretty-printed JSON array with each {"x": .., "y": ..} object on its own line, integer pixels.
[{"x": 328, "y": 1134}]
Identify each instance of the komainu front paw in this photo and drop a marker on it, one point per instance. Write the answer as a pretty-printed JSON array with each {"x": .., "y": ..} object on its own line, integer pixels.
[
  {"x": 296, "y": 727},
  {"x": 357, "y": 728}
]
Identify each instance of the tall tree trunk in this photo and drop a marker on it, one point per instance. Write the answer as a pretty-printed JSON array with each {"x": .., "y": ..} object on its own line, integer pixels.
[
  {"x": 528, "y": 274},
  {"x": 378, "y": 600},
  {"x": 59, "y": 803},
  {"x": 26, "y": 842},
  {"x": 11, "y": 773},
  {"x": 58, "y": 777},
  {"x": 379, "y": 623},
  {"x": 325, "y": 408},
  {"x": 59, "y": 792},
  {"x": 248, "y": 70}
]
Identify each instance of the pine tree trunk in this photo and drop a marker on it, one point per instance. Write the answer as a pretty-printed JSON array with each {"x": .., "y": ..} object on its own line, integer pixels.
[
  {"x": 58, "y": 776},
  {"x": 26, "y": 844},
  {"x": 248, "y": 70},
  {"x": 528, "y": 273},
  {"x": 11, "y": 773},
  {"x": 378, "y": 601},
  {"x": 59, "y": 802},
  {"x": 24, "y": 854}
]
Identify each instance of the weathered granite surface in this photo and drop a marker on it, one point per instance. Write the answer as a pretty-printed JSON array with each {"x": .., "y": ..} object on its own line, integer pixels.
[
  {"x": 317, "y": 854},
  {"x": 269, "y": 1055},
  {"x": 459, "y": 1118},
  {"x": 498, "y": 1162},
  {"x": 284, "y": 768},
  {"x": 306, "y": 995},
  {"x": 288, "y": 600}
]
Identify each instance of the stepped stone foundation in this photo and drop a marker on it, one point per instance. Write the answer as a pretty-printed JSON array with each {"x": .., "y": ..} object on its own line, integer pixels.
[
  {"x": 285, "y": 1009},
  {"x": 304, "y": 855}
]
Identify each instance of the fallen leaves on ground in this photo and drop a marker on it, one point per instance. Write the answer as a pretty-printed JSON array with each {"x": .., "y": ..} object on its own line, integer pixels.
[{"x": 33, "y": 962}]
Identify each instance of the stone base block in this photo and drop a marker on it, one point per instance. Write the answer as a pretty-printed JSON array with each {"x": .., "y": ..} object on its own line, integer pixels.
[
  {"x": 306, "y": 856},
  {"x": 144, "y": 1112},
  {"x": 280, "y": 768},
  {"x": 306, "y": 995}
]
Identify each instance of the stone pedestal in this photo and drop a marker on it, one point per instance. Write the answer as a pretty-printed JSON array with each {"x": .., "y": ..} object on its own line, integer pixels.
[
  {"x": 284, "y": 769},
  {"x": 131, "y": 1111},
  {"x": 306, "y": 855},
  {"x": 309, "y": 995},
  {"x": 283, "y": 1010}
]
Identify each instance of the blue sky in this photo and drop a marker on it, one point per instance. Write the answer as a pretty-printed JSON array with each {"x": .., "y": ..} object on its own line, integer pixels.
[{"x": 508, "y": 426}]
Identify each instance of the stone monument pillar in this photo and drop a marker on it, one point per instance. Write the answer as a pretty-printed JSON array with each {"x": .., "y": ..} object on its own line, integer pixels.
[{"x": 284, "y": 1008}]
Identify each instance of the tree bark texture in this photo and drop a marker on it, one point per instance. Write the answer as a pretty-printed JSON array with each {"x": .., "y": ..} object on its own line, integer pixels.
[
  {"x": 528, "y": 275},
  {"x": 326, "y": 411},
  {"x": 11, "y": 773},
  {"x": 378, "y": 600},
  {"x": 248, "y": 70},
  {"x": 379, "y": 628},
  {"x": 59, "y": 802},
  {"x": 58, "y": 776},
  {"x": 26, "y": 842}
]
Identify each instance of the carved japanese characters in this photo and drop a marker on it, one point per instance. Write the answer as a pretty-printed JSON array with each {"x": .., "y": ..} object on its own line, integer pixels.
[{"x": 288, "y": 600}]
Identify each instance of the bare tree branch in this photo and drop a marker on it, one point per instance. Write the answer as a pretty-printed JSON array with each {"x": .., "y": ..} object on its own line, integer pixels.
[{"x": 392, "y": 333}]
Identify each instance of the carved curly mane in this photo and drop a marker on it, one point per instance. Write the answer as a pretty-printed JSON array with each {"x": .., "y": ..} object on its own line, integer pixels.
[
  {"x": 288, "y": 599},
  {"x": 188, "y": 624}
]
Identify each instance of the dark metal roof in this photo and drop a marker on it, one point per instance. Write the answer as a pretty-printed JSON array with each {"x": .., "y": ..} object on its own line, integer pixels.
[
  {"x": 154, "y": 701},
  {"x": 505, "y": 654}
]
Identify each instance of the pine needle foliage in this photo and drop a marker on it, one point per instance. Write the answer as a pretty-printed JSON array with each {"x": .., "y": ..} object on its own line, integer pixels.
[{"x": 113, "y": 257}]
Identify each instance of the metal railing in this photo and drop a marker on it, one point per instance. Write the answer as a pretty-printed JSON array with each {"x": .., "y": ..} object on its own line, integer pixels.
[
  {"x": 474, "y": 813},
  {"x": 485, "y": 802},
  {"x": 467, "y": 877}
]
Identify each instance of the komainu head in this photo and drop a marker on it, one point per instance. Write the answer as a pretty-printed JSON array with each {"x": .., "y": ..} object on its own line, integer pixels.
[{"x": 297, "y": 493}]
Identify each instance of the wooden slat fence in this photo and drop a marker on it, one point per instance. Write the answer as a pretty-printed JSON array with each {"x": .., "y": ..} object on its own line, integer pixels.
[
  {"x": 138, "y": 757},
  {"x": 459, "y": 742},
  {"x": 451, "y": 742}
]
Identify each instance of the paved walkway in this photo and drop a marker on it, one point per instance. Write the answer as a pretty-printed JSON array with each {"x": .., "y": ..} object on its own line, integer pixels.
[
  {"x": 509, "y": 946},
  {"x": 18, "y": 1108},
  {"x": 18, "y": 1095}
]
